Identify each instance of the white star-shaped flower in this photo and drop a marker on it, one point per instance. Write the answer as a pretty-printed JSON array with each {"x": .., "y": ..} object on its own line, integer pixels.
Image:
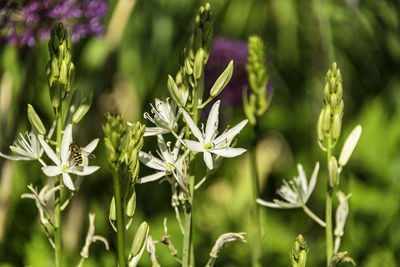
[
  {"x": 64, "y": 165},
  {"x": 26, "y": 148},
  {"x": 165, "y": 117},
  {"x": 295, "y": 193},
  {"x": 208, "y": 142},
  {"x": 169, "y": 163}
]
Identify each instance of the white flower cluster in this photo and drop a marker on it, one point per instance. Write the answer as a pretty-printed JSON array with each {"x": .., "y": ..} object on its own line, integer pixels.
[{"x": 170, "y": 162}]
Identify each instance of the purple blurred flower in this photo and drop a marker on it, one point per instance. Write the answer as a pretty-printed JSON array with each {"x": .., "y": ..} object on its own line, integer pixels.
[
  {"x": 223, "y": 50},
  {"x": 32, "y": 21}
]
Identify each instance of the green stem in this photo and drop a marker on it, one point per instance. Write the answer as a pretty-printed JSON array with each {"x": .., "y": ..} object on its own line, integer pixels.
[
  {"x": 120, "y": 220},
  {"x": 255, "y": 231},
  {"x": 210, "y": 262},
  {"x": 57, "y": 196},
  {"x": 328, "y": 211},
  {"x": 188, "y": 249}
]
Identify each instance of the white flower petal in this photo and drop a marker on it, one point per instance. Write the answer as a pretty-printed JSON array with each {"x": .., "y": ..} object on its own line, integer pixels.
[
  {"x": 151, "y": 131},
  {"x": 51, "y": 170},
  {"x": 231, "y": 133},
  {"x": 151, "y": 161},
  {"x": 50, "y": 153},
  {"x": 193, "y": 127},
  {"x": 313, "y": 181},
  {"x": 208, "y": 160},
  {"x": 83, "y": 170},
  {"x": 228, "y": 152},
  {"x": 91, "y": 146},
  {"x": 18, "y": 150},
  {"x": 15, "y": 157},
  {"x": 267, "y": 204},
  {"x": 68, "y": 181},
  {"x": 212, "y": 122},
  {"x": 194, "y": 145},
  {"x": 303, "y": 180},
  {"x": 65, "y": 143},
  {"x": 150, "y": 178}
]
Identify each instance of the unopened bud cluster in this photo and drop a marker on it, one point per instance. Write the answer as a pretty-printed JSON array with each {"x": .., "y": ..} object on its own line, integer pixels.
[
  {"x": 330, "y": 118},
  {"x": 299, "y": 252},
  {"x": 194, "y": 57},
  {"x": 60, "y": 69},
  {"x": 258, "y": 102}
]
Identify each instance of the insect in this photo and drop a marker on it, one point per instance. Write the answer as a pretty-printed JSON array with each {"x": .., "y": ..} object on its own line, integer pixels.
[{"x": 76, "y": 154}]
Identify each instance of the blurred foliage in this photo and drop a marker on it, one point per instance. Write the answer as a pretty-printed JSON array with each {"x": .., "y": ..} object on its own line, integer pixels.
[{"x": 302, "y": 39}]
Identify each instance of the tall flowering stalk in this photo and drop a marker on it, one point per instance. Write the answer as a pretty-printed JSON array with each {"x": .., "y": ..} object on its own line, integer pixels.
[
  {"x": 178, "y": 117},
  {"x": 255, "y": 106},
  {"x": 297, "y": 192},
  {"x": 67, "y": 158},
  {"x": 123, "y": 142}
]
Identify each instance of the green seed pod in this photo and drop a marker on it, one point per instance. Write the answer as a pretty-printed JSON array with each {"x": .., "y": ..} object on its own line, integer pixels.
[
  {"x": 333, "y": 172},
  {"x": 55, "y": 93},
  {"x": 326, "y": 93},
  {"x": 333, "y": 101},
  {"x": 35, "y": 120}
]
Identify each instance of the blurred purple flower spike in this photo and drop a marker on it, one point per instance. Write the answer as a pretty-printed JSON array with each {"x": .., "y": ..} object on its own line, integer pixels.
[
  {"x": 223, "y": 50},
  {"x": 32, "y": 21}
]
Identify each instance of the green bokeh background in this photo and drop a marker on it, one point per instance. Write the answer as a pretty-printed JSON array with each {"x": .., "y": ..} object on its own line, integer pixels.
[{"x": 302, "y": 38}]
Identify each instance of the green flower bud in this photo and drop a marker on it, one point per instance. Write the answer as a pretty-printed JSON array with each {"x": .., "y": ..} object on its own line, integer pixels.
[
  {"x": 174, "y": 91},
  {"x": 326, "y": 120},
  {"x": 55, "y": 93},
  {"x": 339, "y": 91},
  {"x": 35, "y": 120},
  {"x": 54, "y": 67},
  {"x": 131, "y": 205},
  {"x": 327, "y": 93},
  {"x": 198, "y": 39},
  {"x": 83, "y": 108},
  {"x": 138, "y": 244},
  {"x": 188, "y": 66},
  {"x": 222, "y": 80},
  {"x": 112, "y": 215},
  {"x": 337, "y": 126},
  {"x": 349, "y": 145},
  {"x": 198, "y": 63},
  {"x": 64, "y": 74},
  {"x": 320, "y": 130},
  {"x": 333, "y": 172},
  {"x": 299, "y": 252},
  {"x": 333, "y": 102}
]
